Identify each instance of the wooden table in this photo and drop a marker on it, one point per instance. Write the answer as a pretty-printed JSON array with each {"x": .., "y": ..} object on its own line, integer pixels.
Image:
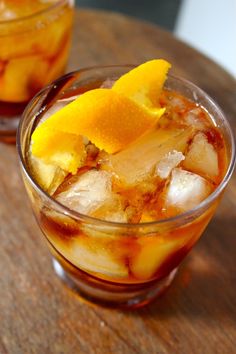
[{"x": 39, "y": 314}]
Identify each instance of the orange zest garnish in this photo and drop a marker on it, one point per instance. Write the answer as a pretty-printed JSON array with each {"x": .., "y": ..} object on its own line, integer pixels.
[
  {"x": 109, "y": 118},
  {"x": 144, "y": 83}
]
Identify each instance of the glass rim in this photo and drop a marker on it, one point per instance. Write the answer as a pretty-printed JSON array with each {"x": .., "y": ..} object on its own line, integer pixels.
[
  {"x": 92, "y": 220},
  {"x": 35, "y": 14}
]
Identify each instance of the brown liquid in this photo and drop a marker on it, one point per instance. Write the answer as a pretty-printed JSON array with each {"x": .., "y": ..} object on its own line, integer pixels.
[
  {"x": 125, "y": 249},
  {"x": 107, "y": 259}
]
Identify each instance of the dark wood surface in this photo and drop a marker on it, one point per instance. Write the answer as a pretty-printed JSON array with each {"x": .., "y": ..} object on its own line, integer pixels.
[{"x": 38, "y": 314}]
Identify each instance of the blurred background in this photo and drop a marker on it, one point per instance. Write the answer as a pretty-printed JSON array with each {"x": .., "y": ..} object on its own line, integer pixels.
[{"x": 207, "y": 25}]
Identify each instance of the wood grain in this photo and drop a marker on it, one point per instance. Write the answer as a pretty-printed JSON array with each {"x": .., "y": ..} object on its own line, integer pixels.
[{"x": 197, "y": 315}]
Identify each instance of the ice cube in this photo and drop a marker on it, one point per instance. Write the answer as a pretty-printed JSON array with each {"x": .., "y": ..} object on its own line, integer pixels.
[
  {"x": 15, "y": 9},
  {"x": 96, "y": 257},
  {"x": 168, "y": 162},
  {"x": 118, "y": 216},
  {"x": 22, "y": 70},
  {"x": 6, "y": 14},
  {"x": 112, "y": 215},
  {"x": 48, "y": 176},
  {"x": 108, "y": 83},
  {"x": 176, "y": 102},
  {"x": 59, "y": 227},
  {"x": 186, "y": 190},
  {"x": 195, "y": 118},
  {"x": 137, "y": 161},
  {"x": 154, "y": 251},
  {"x": 92, "y": 194},
  {"x": 56, "y": 107},
  {"x": 202, "y": 158},
  {"x": 90, "y": 190},
  {"x": 111, "y": 210}
]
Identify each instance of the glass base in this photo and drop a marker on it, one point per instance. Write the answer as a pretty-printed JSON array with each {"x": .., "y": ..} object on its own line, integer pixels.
[{"x": 127, "y": 296}]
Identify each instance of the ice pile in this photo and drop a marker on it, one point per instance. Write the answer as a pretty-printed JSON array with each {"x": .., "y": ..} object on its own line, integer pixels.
[{"x": 185, "y": 177}]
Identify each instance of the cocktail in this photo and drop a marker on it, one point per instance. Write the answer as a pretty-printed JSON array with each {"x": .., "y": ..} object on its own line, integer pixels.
[
  {"x": 34, "y": 46},
  {"x": 123, "y": 179}
]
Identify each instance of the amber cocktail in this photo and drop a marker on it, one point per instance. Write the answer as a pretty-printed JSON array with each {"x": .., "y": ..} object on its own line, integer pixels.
[
  {"x": 34, "y": 46},
  {"x": 121, "y": 224}
]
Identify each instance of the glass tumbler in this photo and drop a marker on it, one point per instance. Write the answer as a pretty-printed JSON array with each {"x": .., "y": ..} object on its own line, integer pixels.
[
  {"x": 34, "y": 48},
  {"x": 101, "y": 259}
]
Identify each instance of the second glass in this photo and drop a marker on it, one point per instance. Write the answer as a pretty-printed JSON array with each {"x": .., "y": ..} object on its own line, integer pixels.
[{"x": 34, "y": 45}]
